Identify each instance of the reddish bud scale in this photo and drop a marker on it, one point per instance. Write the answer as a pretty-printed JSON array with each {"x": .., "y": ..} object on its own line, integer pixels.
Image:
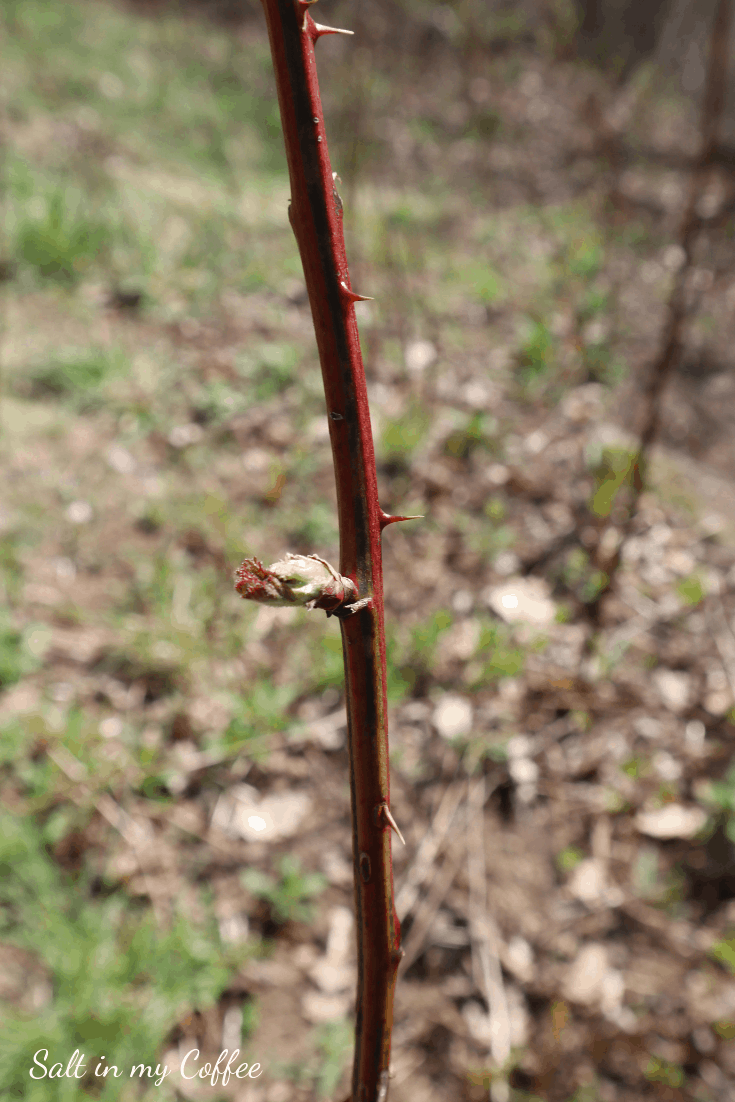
[
  {"x": 252, "y": 581},
  {"x": 316, "y": 219}
]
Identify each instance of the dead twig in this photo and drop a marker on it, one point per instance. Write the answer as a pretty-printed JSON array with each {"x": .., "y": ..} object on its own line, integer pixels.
[
  {"x": 431, "y": 845},
  {"x": 724, "y": 639},
  {"x": 427, "y": 911},
  {"x": 484, "y": 934},
  {"x": 132, "y": 833},
  {"x": 680, "y": 306}
]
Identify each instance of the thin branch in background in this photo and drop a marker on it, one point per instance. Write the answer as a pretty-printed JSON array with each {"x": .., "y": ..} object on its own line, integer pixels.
[
  {"x": 429, "y": 906},
  {"x": 679, "y": 307},
  {"x": 485, "y": 938},
  {"x": 724, "y": 638},
  {"x": 431, "y": 845}
]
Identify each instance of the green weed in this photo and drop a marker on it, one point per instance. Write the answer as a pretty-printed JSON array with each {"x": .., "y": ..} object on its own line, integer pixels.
[
  {"x": 290, "y": 897},
  {"x": 33, "y": 771},
  {"x": 11, "y": 569},
  {"x": 615, "y": 470},
  {"x": 594, "y": 301},
  {"x": 399, "y": 680},
  {"x": 217, "y": 401},
  {"x": 18, "y": 655},
  {"x": 488, "y": 537},
  {"x": 57, "y": 239},
  {"x": 330, "y": 672},
  {"x": 116, "y": 983},
  {"x": 402, "y": 437},
  {"x": 585, "y": 257},
  {"x": 260, "y": 712},
  {"x": 692, "y": 589},
  {"x": 322, "y": 1071},
  {"x": 601, "y": 365},
  {"x": 498, "y": 655},
  {"x": 483, "y": 282},
  {"x": 316, "y": 526},
  {"x": 536, "y": 353},
  {"x": 495, "y": 509},
  {"x": 646, "y": 873},
  {"x": 75, "y": 375},
  {"x": 273, "y": 368},
  {"x": 478, "y": 431},
  {"x": 568, "y": 859},
  {"x": 720, "y": 797},
  {"x": 411, "y": 660},
  {"x": 663, "y": 1071},
  {"x": 724, "y": 952},
  {"x": 334, "y": 1042}
]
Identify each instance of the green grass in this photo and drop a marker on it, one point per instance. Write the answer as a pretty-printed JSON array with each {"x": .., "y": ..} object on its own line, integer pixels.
[
  {"x": 290, "y": 896},
  {"x": 499, "y": 656},
  {"x": 535, "y": 354},
  {"x": 403, "y": 436},
  {"x": 16, "y": 655},
  {"x": 614, "y": 471},
  {"x": 692, "y": 589},
  {"x": 116, "y": 985},
  {"x": 724, "y": 952},
  {"x": 334, "y": 1041},
  {"x": 568, "y": 859},
  {"x": 479, "y": 431},
  {"x": 719, "y": 797},
  {"x": 151, "y": 149},
  {"x": 57, "y": 240},
  {"x": 75, "y": 376}
]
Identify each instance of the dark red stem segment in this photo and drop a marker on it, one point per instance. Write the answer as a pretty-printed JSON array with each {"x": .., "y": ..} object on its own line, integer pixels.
[{"x": 316, "y": 217}]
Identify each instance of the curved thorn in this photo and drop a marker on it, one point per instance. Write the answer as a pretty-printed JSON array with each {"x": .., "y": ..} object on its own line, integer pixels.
[
  {"x": 391, "y": 822},
  {"x": 386, "y": 519},
  {"x": 352, "y": 296},
  {"x": 318, "y": 29}
]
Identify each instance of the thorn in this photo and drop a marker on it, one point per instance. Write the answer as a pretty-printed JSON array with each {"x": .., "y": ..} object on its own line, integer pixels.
[
  {"x": 302, "y": 6},
  {"x": 344, "y": 612},
  {"x": 318, "y": 29},
  {"x": 352, "y": 296},
  {"x": 393, "y": 824},
  {"x": 386, "y": 519}
]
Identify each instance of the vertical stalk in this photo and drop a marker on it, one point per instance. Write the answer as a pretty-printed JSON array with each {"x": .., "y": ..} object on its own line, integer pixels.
[
  {"x": 680, "y": 306},
  {"x": 315, "y": 214}
]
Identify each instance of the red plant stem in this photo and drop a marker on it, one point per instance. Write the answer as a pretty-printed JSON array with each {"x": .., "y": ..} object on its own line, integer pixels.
[{"x": 316, "y": 217}]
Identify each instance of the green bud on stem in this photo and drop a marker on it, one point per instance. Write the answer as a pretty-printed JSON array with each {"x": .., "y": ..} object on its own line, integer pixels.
[{"x": 304, "y": 580}]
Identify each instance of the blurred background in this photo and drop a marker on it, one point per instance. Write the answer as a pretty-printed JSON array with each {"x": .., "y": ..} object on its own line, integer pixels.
[{"x": 513, "y": 176}]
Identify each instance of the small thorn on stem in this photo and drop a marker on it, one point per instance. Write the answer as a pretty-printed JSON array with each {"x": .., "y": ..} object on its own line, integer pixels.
[
  {"x": 391, "y": 821},
  {"x": 352, "y": 296},
  {"x": 386, "y": 519},
  {"x": 318, "y": 29},
  {"x": 346, "y": 611}
]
